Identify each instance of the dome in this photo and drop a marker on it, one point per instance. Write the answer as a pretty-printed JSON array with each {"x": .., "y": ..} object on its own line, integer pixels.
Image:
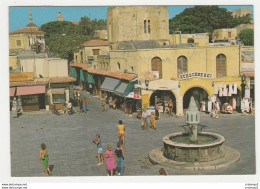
[{"x": 31, "y": 25}]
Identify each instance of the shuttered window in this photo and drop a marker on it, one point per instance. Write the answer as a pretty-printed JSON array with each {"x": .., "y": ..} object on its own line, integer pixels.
[
  {"x": 221, "y": 66},
  {"x": 157, "y": 66},
  {"x": 182, "y": 65}
]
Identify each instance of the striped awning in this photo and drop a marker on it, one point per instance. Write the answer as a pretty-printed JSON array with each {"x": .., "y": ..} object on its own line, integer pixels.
[
  {"x": 30, "y": 90},
  {"x": 12, "y": 91}
]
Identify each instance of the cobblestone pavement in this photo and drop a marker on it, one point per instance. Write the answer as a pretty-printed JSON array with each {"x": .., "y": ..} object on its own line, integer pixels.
[{"x": 72, "y": 153}]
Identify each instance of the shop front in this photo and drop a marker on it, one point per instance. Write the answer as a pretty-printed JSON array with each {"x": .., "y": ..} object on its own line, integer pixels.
[
  {"x": 58, "y": 95},
  {"x": 32, "y": 97}
]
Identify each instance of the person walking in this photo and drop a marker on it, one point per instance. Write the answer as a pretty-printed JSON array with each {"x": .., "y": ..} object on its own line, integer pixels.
[
  {"x": 144, "y": 119},
  {"x": 152, "y": 120},
  {"x": 43, "y": 157},
  {"x": 97, "y": 141},
  {"x": 170, "y": 105},
  {"x": 110, "y": 102},
  {"x": 85, "y": 104},
  {"x": 104, "y": 104},
  {"x": 121, "y": 132},
  {"x": 80, "y": 106},
  {"x": 110, "y": 160},
  {"x": 120, "y": 159}
]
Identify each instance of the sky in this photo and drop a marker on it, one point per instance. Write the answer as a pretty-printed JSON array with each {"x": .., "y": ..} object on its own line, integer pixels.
[{"x": 19, "y": 16}]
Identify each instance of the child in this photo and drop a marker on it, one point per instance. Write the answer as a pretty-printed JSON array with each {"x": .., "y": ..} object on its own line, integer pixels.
[
  {"x": 44, "y": 159},
  {"x": 121, "y": 132},
  {"x": 152, "y": 120},
  {"x": 110, "y": 160},
  {"x": 97, "y": 141}
]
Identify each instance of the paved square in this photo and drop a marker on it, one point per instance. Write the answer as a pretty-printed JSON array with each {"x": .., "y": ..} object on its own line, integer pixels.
[{"x": 71, "y": 151}]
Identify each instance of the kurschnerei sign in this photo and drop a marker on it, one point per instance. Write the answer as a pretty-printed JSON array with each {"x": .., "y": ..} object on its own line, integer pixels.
[{"x": 195, "y": 74}]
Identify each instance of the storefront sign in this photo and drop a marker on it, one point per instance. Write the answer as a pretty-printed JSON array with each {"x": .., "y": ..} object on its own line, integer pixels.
[
  {"x": 145, "y": 101},
  {"x": 26, "y": 76},
  {"x": 195, "y": 74}
]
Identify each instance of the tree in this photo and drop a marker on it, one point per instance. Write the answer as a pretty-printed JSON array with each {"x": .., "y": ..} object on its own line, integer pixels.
[
  {"x": 203, "y": 19},
  {"x": 64, "y": 38},
  {"x": 247, "y": 37}
]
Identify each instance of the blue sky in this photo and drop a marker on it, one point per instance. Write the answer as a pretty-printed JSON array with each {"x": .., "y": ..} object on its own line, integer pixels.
[{"x": 19, "y": 16}]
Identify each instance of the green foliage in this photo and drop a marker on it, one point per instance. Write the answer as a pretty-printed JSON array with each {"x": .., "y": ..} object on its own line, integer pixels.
[
  {"x": 64, "y": 38},
  {"x": 203, "y": 19},
  {"x": 247, "y": 37}
]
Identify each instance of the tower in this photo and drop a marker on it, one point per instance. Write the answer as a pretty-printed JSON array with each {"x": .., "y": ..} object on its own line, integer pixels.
[
  {"x": 31, "y": 24},
  {"x": 59, "y": 17}
]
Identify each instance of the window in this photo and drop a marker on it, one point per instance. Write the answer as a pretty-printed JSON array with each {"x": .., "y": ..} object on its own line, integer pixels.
[
  {"x": 95, "y": 51},
  {"x": 18, "y": 42},
  {"x": 221, "y": 66},
  {"x": 76, "y": 57},
  {"x": 132, "y": 68},
  {"x": 157, "y": 66},
  {"x": 229, "y": 34},
  {"x": 58, "y": 98},
  {"x": 182, "y": 65},
  {"x": 144, "y": 26},
  {"x": 118, "y": 66},
  {"x": 190, "y": 40},
  {"x": 30, "y": 100},
  {"x": 149, "y": 27}
]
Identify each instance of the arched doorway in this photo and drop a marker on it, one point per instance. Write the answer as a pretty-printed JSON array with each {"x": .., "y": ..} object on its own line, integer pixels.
[
  {"x": 164, "y": 96},
  {"x": 157, "y": 66},
  {"x": 199, "y": 95}
]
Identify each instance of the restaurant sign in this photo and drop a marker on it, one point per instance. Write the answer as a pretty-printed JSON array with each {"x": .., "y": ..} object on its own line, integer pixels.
[
  {"x": 195, "y": 74},
  {"x": 25, "y": 76}
]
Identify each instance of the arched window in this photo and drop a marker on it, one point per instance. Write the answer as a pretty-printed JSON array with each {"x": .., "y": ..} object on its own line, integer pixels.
[
  {"x": 118, "y": 66},
  {"x": 190, "y": 40},
  {"x": 182, "y": 65},
  {"x": 221, "y": 70},
  {"x": 157, "y": 66}
]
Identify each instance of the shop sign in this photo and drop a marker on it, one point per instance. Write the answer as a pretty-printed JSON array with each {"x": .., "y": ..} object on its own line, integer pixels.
[
  {"x": 195, "y": 74},
  {"x": 26, "y": 76},
  {"x": 145, "y": 100}
]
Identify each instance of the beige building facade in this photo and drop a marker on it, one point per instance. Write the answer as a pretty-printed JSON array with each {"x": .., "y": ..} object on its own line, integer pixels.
[
  {"x": 147, "y": 23},
  {"x": 199, "y": 39},
  {"x": 224, "y": 34}
]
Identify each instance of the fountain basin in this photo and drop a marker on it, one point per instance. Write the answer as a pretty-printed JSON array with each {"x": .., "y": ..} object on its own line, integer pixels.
[{"x": 175, "y": 148}]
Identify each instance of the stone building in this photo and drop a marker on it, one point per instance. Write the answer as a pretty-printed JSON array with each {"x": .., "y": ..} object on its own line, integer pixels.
[
  {"x": 224, "y": 34},
  {"x": 140, "y": 44},
  {"x": 146, "y": 23},
  {"x": 28, "y": 38},
  {"x": 241, "y": 12}
]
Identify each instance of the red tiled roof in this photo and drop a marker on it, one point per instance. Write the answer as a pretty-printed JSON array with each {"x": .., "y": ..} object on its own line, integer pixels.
[
  {"x": 75, "y": 23},
  {"x": 30, "y": 90},
  {"x": 50, "y": 80},
  {"x": 94, "y": 43},
  {"x": 28, "y": 83},
  {"x": 27, "y": 30},
  {"x": 61, "y": 79},
  {"x": 249, "y": 74},
  {"x": 78, "y": 65}
]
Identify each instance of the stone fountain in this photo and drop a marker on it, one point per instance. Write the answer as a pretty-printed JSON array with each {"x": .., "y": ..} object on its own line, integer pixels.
[{"x": 194, "y": 149}]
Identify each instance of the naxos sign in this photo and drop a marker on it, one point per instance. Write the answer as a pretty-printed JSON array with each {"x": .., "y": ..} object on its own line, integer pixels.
[{"x": 195, "y": 74}]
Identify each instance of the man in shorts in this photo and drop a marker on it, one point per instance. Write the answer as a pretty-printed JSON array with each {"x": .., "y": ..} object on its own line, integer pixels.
[
  {"x": 97, "y": 141},
  {"x": 121, "y": 132}
]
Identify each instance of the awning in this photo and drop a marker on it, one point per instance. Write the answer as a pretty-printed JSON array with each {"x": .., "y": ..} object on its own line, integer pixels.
[
  {"x": 81, "y": 75},
  {"x": 125, "y": 88},
  {"x": 30, "y": 90},
  {"x": 58, "y": 91},
  {"x": 12, "y": 91},
  {"x": 90, "y": 79},
  {"x": 110, "y": 84},
  {"x": 73, "y": 72},
  {"x": 120, "y": 90},
  {"x": 133, "y": 95}
]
